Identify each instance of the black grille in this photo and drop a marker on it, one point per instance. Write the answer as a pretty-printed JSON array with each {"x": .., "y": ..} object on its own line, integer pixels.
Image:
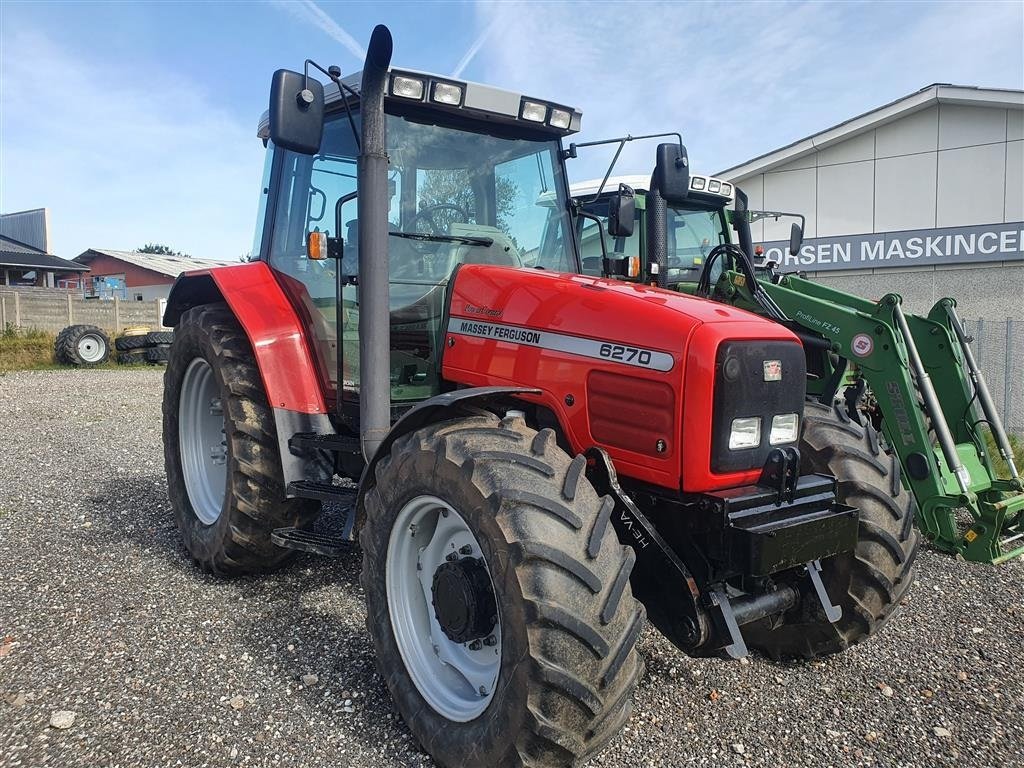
[{"x": 741, "y": 391}]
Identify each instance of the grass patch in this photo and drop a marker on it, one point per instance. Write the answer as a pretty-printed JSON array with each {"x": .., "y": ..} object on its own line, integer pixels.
[
  {"x": 1016, "y": 445},
  {"x": 19, "y": 353}
]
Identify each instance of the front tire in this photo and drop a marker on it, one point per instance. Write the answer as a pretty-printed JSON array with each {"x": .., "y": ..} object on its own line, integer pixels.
[
  {"x": 566, "y": 617},
  {"x": 868, "y": 583},
  {"x": 221, "y": 454}
]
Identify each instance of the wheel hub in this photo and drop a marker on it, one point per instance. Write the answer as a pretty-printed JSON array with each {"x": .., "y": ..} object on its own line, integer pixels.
[{"x": 463, "y": 600}]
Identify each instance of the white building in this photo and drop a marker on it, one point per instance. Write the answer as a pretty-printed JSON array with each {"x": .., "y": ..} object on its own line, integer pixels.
[{"x": 923, "y": 197}]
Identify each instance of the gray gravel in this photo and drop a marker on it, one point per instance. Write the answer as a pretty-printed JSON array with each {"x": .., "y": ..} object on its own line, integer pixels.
[{"x": 102, "y": 616}]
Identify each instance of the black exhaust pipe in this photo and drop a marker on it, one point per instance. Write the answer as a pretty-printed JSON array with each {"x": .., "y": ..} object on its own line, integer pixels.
[
  {"x": 657, "y": 232},
  {"x": 372, "y": 205}
]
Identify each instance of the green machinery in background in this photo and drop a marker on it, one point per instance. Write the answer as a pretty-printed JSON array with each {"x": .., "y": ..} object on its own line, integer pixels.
[{"x": 914, "y": 377}]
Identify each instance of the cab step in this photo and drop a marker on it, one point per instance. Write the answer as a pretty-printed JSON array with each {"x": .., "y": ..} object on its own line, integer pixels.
[
  {"x": 302, "y": 441},
  {"x": 311, "y": 541},
  {"x": 308, "y": 489}
]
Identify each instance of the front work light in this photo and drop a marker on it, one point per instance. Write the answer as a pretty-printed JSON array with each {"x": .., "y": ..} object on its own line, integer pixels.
[
  {"x": 714, "y": 185},
  {"x": 407, "y": 87},
  {"x": 534, "y": 112},
  {"x": 697, "y": 183},
  {"x": 560, "y": 118},
  {"x": 745, "y": 433},
  {"x": 785, "y": 428},
  {"x": 446, "y": 93}
]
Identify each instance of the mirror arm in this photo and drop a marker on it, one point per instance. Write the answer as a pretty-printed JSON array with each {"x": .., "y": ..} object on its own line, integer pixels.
[{"x": 571, "y": 152}]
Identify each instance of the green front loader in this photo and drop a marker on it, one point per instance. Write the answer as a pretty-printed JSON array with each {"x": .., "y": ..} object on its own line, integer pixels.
[{"x": 914, "y": 377}]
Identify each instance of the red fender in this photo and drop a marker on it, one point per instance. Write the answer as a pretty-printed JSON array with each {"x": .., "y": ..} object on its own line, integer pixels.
[{"x": 282, "y": 350}]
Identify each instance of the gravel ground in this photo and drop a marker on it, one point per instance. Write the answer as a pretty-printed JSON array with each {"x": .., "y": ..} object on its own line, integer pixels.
[{"x": 102, "y": 616}]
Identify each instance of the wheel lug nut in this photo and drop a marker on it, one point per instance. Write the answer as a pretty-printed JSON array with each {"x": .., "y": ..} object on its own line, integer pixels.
[
  {"x": 490, "y": 641},
  {"x": 451, "y": 557},
  {"x": 476, "y": 645},
  {"x": 483, "y": 691},
  {"x": 466, "y": 549},
  {"x": 436, "y": 650}
]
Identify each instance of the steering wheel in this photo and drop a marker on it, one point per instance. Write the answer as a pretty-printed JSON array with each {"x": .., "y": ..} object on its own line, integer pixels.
[{"x": 427, "y": 216}]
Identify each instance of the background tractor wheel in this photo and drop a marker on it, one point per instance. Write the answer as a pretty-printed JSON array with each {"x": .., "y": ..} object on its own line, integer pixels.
[
  {"x": 132, "y": 342},
  {"x": 869, "y": 583},
  {"x": 498, "y": 596},
  {"x": 160, "y": 337},
  {"x": 161, "y": 353},
  {"x": 224, "y": 472},
  {"x": 82, "y": 345}
]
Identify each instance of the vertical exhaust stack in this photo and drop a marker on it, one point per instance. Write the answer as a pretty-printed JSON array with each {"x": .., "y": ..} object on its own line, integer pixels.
[
  {"x": 657, "y": 232},
  {"x": 372, "y": 206}
]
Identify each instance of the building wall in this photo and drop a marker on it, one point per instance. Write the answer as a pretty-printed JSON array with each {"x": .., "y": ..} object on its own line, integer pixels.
[
  {"x": 102, "y": 265},
  {"x": 945, "y": 166}
]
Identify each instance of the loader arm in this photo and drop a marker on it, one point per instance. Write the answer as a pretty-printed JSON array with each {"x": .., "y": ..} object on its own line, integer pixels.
[{"x": 869, "y": 341}]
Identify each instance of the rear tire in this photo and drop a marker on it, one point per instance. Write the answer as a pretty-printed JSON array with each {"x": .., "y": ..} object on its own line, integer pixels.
[
  {"x": 129, "y": 343},
  {"x": 82, "y": 345},
  {"x": 567, "y": 618},
  {"x": 234, "y": 538},
  {"x": 869, "y": 583}
]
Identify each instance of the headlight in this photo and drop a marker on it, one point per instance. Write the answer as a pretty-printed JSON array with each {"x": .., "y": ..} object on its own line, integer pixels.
[
  {"x": 785, "y": 428},
  {"x": 714, "y": 185},
  {"x": 407, "y": 87},
  {"x": 697, "y": 182},
  {"x": 727, "y": 190},
  {"x": 560, "y": 118},
  {"x": 534, "y": 112},
  {"x": 446, "y": 93},
  {"x": 745, "y": 433}
]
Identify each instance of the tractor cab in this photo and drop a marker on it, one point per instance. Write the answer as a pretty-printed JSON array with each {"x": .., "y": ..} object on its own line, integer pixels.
[
  {"x": 693, "y": 227},
  {"x": 474, "y": 177}
]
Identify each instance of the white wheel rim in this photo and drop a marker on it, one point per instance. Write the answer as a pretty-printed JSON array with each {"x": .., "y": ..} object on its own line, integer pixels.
[
  {"x": 202, "y": 442},
  {"x": 91, "y": 348},
  {"x": 456, "y": 680}
]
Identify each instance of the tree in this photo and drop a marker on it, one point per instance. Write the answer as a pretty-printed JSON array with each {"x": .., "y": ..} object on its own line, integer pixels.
[
  {"x": 452, "y": 187},
  {"x": 161, "y": 250}
]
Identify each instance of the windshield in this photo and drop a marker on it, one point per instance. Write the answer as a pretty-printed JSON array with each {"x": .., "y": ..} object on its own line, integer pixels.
[
  {"x": 455, "y": 196},
  {"x": 691, "y": 236}
]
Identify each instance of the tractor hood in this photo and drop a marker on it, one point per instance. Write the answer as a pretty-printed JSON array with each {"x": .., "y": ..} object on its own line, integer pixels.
[{"x": 611, "y": 358}]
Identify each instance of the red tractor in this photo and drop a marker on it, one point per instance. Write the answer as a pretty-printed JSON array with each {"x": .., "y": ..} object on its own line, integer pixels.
[{"x": 538, "y": 459}]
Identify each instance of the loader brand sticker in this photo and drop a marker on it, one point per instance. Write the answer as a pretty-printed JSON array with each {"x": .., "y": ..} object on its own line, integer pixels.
[
  {"x": 862, "y": 345},
  {"x": 773, "y": 370},
  {"x": 899, "y": 409},
  {"x": 558, "y": 342}
]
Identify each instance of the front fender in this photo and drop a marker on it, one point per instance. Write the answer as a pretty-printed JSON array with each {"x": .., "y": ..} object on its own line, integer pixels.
[
  {"x": 278, "y": 338},
  {"x": 432, "y": 410}
]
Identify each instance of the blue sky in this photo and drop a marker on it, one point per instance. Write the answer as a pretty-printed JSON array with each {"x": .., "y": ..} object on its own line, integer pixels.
[{"x": 135, "y": 122}]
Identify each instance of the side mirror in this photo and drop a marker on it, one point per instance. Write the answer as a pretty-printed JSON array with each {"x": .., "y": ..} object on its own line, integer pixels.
[
  {"x": 621, "y": 212},
  {"x": 796, "y": 239},
  {"x": 296, "y": 112},
  {"x": 672, "y": 173}
]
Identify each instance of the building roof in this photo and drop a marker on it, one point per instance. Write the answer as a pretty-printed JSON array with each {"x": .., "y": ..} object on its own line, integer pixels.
[
  {"x": 172, "y": 266},
  {"x": 937, "y": 93},
  {"x": 14, "y": 253},
  {"x": 30, "y": 227}
]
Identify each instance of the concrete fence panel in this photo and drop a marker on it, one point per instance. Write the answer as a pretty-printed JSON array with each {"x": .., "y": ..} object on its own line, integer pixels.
[{"x": 53, "y": 310}]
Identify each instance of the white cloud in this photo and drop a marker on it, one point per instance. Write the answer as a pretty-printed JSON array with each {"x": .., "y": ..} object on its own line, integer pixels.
[
  {"x": 121, "y": 160},
  {"x": 310, "y": 13},
  {"x": 738, "y": 80},
  {"x": 473, "y": 49}
]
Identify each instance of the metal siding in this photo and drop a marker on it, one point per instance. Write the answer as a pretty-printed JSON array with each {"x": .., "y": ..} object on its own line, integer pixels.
[
  {"x": 29, "y": 227},
  {"x": 852, "y": 150},
  {"x": 905, "y": 192},
  {"x": 1014, "y": 125},
  {"x": 971, "y": 183},
  {"x": 917, "y": 132},
  {"x": 790, "y": 191},
  {"x": 961, "y": 126},
  {"x": 1013, "y": 207},
  {"x": 845, "y": 198}
]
